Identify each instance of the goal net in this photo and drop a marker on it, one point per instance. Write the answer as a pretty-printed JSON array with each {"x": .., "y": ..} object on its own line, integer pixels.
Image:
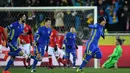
[{"x": 62, "y": 19}]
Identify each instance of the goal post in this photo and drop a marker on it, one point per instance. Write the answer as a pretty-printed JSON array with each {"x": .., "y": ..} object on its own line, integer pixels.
[{"x": 78, "y": 18}]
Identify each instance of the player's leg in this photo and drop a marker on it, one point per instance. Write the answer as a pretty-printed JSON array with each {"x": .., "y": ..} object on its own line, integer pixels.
[
  {"x": 60, "y": 54},
  {"x": 27, "y": 51},
  {"x": 110, "y": 63},
  {"x": 10, "y": 62},
  {"x": 39, "y": 53},
  {"x": 68, "y": 62},
  {"x": 74, "y": 58},
  {"x": 97, "y": 54},
  {"x": 50, "y": 53},
  {"x": 24, "y": 51},
  {"x": 89, "y": 51},
  {"x": 115, "y": 65},
  {"x": 15, "y": 51}
]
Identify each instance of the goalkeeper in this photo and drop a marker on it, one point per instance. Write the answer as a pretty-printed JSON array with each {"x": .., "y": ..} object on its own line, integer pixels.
[{"x": 114, "y": 57}]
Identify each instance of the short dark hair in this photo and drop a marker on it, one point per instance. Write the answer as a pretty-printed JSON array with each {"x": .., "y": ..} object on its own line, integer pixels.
[
  {"x": 46, "y": 19},
  {"x": 20, "y": 15},
  {"x": 100, "y": 19}
]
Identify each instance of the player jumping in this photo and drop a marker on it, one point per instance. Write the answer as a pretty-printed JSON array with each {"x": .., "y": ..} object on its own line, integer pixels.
[
  {"x": 26, "y": 41},
  {"x": 113, "y": 58},
  {"x": 41, "y": 39},
  {"x": 70, "y": 43},
  {"x": 15, "y": 30},
  {"x": 92, "y": 49}
]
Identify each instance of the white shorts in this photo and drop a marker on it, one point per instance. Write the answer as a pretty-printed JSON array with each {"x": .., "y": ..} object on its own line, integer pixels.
[
  {"x": 0, "y": 48},
  {"x": 26, "y": 48},
  {"x": 50, "y": 50},
  {"x": 59, "y": 52}
]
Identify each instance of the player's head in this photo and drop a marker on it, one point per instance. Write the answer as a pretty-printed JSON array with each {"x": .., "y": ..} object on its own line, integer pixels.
[
  {"x": 73, "y": 30},
  {"x": 22, "y": 17},
  {"x": 47, "y": 22},
  {"x": 102, "y": 21},
  {"x": 119, "y": 41}
]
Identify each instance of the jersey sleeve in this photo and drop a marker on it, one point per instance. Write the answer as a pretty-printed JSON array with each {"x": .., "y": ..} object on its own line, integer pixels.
[
  {"x": 14, "y": 25},
  {"x": 21, "y": 38},
  {"x": 65, "y": 39},
  {"x": 48, "y": 41},
  {"x": 102, "y": 33},
  {"x": 92, "y": 26}
]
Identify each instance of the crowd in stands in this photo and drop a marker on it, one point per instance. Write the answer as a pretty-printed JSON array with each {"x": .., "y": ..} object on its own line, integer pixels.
[{"x": 117, "y": 13}]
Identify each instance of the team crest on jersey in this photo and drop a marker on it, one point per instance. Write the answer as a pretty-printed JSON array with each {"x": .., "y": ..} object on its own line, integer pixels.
[
  {"x": 48, "y": 32},
  {"x": 74, "y": 36}
]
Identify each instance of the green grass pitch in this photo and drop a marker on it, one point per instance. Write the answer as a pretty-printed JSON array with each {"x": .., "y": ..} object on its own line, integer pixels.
[{"x": 67, "y": 70}]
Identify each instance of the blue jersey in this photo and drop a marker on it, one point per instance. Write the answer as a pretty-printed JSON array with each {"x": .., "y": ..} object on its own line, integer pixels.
[
  {"x": 15, "y": 29},
  {"x": 70, "y": 39},
  {"x": 97, "y": 31},
  {"x": 42, "y": 35}
]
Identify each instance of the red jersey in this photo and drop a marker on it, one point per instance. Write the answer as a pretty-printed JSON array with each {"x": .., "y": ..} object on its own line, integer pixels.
[
  {"x": 53, "y": 38},
  {"x": 29, "y": 37},
  {"x": 2, "y": 35},
  {"x": 60, "y": 41}
]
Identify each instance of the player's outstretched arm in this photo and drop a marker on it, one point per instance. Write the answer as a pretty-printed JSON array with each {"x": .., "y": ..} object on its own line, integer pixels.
[{"x": 92, "y": 26}]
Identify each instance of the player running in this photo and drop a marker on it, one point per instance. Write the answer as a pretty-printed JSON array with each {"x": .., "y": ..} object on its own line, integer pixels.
[
  {"x": 15, "y": 30},
  {"x": 26, "y": 42},
  {"x": 52, "y": 49},
  {"x": 92, "y": 49},
  {"x": 2, "y": 38},
  {"x": 70, "y": 44},
  {"x": 61, "y": 50},
  {"x": 114, "y": 57},
  {"x": 41, "y": 39}
]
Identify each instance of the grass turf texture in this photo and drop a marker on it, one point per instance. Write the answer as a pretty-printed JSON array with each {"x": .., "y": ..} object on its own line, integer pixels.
[{"x": 68, "y": 70}]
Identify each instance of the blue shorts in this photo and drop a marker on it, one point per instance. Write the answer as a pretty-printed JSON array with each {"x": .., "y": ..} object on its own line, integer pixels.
[
  {"x": 39, "y": 49},
  {"x": 70, "y": 50},
  {"x": 92, "y": 51},
  {"x": 14, "y": 48}
]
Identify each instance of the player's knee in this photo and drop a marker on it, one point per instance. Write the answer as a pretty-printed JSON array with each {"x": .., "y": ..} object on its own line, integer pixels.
[
  {"x": 12, "y": 57},
  {"x": 21, "y": 53},
  {"x": 39, "y": 57},
  {"x": 74, "y": 58},
  {"x": 99, "y": 57}
]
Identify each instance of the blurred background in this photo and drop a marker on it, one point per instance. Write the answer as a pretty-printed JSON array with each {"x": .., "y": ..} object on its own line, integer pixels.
[{"x": 116, "y": 12}]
